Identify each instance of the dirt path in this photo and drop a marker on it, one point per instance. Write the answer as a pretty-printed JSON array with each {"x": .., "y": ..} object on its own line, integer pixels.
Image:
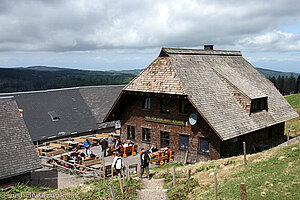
[{"x": 153, "y": 190}]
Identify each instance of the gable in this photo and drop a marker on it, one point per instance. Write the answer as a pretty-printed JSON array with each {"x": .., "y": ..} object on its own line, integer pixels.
[{"x": 158, "y": 77}]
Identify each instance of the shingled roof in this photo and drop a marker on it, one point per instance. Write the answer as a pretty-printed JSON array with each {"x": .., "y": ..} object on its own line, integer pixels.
[
  {"x": 17, "y": 154},
  {"x": 76, "y": 110},
  {"x": 203, "y": 76}
]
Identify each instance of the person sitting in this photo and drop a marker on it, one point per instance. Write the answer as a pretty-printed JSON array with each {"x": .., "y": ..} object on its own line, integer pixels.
[
  {"x": 92, "y": 155},
  {"x": 167, "y": 150},
  {"x": 154, "y": 149},
  {"x": 81, "y": 155},
  {"x": 75, "y": 154},
  {"x": 125, "y": 144},
  {"x": 130, "y": 143}
]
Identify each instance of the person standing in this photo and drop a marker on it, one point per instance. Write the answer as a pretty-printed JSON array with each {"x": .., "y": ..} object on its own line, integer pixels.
[
  {"x": 118, "y": 164},
  {"x": 110, "y": 141},
  {"x": 145, "y": 161},
  {"x": 104, "y": 145},
  {"x": 87, "y": 145}
]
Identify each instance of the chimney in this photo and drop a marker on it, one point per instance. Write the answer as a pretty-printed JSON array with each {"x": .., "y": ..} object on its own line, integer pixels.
[{"x": 208, "y": 47}]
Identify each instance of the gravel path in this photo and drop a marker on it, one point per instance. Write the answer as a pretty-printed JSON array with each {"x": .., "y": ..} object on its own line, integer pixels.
[{"x": 153, "y": 190}]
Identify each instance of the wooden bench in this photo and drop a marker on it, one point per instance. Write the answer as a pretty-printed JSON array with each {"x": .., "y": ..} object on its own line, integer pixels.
[
  {"x": 162, "y": 157},
  {"x": 90, "y": 162},
  {"x": 54, "y": 153},
  {"x": 80, "y": 140},
  {"x": 128, "y": 150},
  {"x": 103, "y": 135},
  {"x": 58, "y": 146}
]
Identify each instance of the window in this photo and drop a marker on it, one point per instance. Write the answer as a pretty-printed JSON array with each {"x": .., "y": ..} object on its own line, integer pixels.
[
  {"x": 165, "y": 105},
  {"x": 130, "y": 132},
  {"x": 53, "y": 116},
  {"x": 259, "y": 104},
  {"x": 183, "y": 107},
  {"x": 204, "y": 145},
  {"x": 184, "y": 142},
  {"x": 146, "y": 135},
  {"x": 146, "y": 103},
  {"x": 164, "y": 139}
]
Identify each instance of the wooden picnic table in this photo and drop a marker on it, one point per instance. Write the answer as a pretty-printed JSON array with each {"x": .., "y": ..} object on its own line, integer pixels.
[{"x": 46, "y": 148}]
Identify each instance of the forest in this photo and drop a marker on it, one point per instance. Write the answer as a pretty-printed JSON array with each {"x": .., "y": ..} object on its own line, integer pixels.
[
  {"x": 23, "y": 79},
  {"x": 286, "y": 84}
]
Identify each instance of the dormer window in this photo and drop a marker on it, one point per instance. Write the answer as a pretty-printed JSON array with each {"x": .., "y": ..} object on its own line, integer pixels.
[
  {"x": 53, "y": 116},
  {"x": 259, "y": 104}
]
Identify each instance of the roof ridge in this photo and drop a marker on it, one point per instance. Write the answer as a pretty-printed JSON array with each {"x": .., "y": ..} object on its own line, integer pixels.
[
  {"x": 200, "y": 52},
  {"x": 58, "y": 89}
]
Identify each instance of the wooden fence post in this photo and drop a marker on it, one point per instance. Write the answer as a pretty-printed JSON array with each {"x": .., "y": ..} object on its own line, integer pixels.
[
  {"x": 128, "y": 173},
  {"x": 174, "y": 176},
  {"x": 245, "y": 153},
  {"x": 112, "y": 173},
  {"x": 243, "y": 191},
  {"x": 121, "y": 187},
  {"x": 103, "y": 168},
  {"x": 123, "y": 177},
  {"x": 112, "y": 190},
  {"x": 186, "y": 156},
  {"x": 216, "y": 184},
  {"x": 168, "y": 169},
  {"x": 288, "y": 137},
  {"x": 189, "y": 180}
]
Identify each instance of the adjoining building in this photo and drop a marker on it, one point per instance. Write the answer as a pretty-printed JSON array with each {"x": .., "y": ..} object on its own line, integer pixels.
[
  {"x": 204, "y": 102},
  {"x": 69, "y": 112},
  {"x": 18, "y": 157}
]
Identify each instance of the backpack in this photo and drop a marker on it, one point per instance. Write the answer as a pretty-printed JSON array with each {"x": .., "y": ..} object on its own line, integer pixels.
[
  {"x": 146, "y": 159},
  {"x": 118, "y": 164}
]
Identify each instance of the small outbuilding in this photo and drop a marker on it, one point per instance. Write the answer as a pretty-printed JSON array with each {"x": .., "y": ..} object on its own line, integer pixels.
[{"x": 201, "y": 103}]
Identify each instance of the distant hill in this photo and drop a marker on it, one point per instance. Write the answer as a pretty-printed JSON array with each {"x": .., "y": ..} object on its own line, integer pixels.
[
  {"x": 133, "y": 71},
  {"x": 270, "y": 73},
  {"x": 41, "y": 77}
]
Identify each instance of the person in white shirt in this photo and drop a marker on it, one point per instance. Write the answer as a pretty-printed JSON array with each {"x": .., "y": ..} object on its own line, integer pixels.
[{"x": 118, "y": 164}]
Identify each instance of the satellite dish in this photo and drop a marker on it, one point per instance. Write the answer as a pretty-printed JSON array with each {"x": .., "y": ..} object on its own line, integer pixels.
[{"x": 193, "y": 119}]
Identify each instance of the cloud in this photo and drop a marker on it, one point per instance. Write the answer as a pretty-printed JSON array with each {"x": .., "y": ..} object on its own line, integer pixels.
[
  {"x": 271, "y": 41},
  {"x": 67, "y": 25}
]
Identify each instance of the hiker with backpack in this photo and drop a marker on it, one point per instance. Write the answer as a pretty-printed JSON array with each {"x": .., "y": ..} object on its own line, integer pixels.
[
  {"x": 145, "y": 161},
  {"x": 118, "y": 164}
]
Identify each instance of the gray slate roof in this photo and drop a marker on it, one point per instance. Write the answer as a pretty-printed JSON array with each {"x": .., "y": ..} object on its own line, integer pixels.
[
  {"x": 17, "y": 154},
  {"x": 198, "y": 72},
  {"x": 79, "y": 109}
]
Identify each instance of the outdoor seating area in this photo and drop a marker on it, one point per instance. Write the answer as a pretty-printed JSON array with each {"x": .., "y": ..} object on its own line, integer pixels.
[
  {"x": 162, "y": 156},
  {"x": 70, "y": 154}
]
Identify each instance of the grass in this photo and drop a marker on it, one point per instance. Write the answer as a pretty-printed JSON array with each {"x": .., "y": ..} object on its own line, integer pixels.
[
  {"x": 294, "y": 124},
  {"x": 90, "y": 190},
  {"x": 272, "y": 174}
]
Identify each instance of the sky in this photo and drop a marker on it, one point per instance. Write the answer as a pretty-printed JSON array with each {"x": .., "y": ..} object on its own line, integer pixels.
[{"x": 128, "y": 34}]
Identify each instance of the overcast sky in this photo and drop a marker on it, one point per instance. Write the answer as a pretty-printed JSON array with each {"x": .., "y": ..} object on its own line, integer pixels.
[{"x": 104, "y": 35}]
